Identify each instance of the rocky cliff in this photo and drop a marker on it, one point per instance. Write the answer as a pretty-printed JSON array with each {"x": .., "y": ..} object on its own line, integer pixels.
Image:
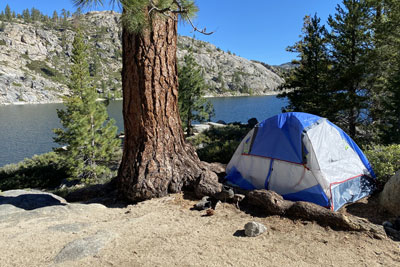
[{"x": 35, "y": 58}]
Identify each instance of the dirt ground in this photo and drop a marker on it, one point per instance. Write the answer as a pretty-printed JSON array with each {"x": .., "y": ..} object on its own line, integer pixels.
[{"x": 166, "y": 232}]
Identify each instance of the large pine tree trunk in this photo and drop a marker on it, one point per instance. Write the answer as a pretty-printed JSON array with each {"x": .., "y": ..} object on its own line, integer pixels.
[{"x": 156, "y": 160}]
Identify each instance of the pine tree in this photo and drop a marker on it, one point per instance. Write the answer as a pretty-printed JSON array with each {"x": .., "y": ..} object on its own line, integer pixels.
[
  {"x": 2, "y": 16},
  {"x": 385, "y": 69},
  {"x": 351, "y": 46},
  {"x": 192, "y": 104},
  {"x": 64, "y": 14},
  {"x": 7, "y": 13},
  {"x": 26, "y": 15},
  {"x": 89, "y": 134},
  {"x": 309, "y": 82},
  {"x": 55, "y": 17},
  {"x": 156, "y": 159},
  {"x": 35, "y": 14}
]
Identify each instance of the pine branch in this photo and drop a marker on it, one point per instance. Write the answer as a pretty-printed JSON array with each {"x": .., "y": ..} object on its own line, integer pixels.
[{"x": 181, "y": 10}]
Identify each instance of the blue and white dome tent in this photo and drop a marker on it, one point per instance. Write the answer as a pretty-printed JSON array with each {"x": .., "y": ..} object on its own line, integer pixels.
[{"x": 302, "y": 157}]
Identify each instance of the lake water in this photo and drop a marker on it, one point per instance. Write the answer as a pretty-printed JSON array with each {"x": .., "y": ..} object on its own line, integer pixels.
[{"x": 26, "y": 130}]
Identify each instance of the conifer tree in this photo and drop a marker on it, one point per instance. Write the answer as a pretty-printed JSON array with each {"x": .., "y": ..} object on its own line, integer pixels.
[
  {"x": 26, "y": 15},
  {"x": 7, "y": 13},
  {"x": 64, "y": 21},
  {"x": 385, "y": 69},
  {"x": 35, "y": 14},
  {"x": 156, "y": 159},
  {"x": 89, "y": 134},
  {"x": 309, "y": 81},
  {"x": 351, "y": 46},
  {"x": 192, "y": 104},
  {"x": 55, "y": 16}
]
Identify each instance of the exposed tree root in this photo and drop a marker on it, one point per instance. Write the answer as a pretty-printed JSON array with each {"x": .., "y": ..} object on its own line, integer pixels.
[{"x": 274, "y": 204}]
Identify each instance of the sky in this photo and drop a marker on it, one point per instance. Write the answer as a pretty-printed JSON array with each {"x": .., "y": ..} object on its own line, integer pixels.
[{"x": 259, "y": 29}]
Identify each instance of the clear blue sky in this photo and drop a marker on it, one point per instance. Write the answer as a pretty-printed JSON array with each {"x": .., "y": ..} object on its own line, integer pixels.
[{"x": 258, "y": 29}]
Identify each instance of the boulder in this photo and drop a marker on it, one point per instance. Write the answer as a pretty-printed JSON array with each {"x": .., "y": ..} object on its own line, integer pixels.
[
  {"x": 29, "y": 199},
  {"x": 390, "y": 196},
  {"x": 253, "y": 229}
]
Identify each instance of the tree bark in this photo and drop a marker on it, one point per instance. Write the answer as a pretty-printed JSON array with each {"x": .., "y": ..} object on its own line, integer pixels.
[{"x": 156, "y": 160}]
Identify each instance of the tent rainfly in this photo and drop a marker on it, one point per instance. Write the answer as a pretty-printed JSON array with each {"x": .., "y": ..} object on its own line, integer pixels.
[{"x": 302, "y": 157}]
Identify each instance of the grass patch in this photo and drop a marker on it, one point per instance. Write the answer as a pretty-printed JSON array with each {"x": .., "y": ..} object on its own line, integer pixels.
[{"x": 2, "y": 42}]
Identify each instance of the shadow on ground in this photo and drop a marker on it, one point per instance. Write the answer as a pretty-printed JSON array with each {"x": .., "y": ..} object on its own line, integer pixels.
[
  {"x": 31, "y": 201},
  {"x": 369, "y": 208}
]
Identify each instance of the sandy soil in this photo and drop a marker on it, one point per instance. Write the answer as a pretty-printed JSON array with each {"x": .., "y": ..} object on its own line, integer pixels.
[{"x": 165, "y": 232}]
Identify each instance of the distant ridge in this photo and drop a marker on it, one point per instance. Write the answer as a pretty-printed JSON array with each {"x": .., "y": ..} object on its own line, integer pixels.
[{"x": 34, "y": 59}]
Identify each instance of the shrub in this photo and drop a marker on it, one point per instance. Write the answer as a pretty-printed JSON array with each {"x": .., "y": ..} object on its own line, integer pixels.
[
  {"x": 43, "y": 69},
  {"x": 219, "y": 143},
  {"x": 385, "y": 160},
  {"x": 41, "y": 171},
  {"x": 16, "y": 84}
]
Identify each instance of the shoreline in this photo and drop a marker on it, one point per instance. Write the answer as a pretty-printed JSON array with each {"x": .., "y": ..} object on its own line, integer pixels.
[
  {"x": 21, "y": 103},
  {"x": 273, "y": 93}
]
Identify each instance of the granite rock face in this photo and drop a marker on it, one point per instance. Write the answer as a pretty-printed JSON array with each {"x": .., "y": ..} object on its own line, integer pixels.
[
  {"x": 228, "y": 74},
  {"x": 390, "y": 196},
  {"x": 35, "y": 58}
]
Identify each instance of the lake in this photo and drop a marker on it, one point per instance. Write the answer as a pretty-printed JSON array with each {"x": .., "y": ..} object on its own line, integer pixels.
[{"x": 26, "y": 130}]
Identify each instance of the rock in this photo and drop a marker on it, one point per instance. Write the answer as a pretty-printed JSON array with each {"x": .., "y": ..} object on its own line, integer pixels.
[
  {"x": 216, "y": 167},
  {"x": 392, "y": 233},
  {"x": 85, "y": 247},
  {"x": 203, "y": 204},
  {"x": 207, "y": 184},
  {"x": 396, "y": 224},
  {"x": 225, "y": 194},
  {"x": 221, "y": 122},
  {"x": 199, "y": 128},
  {"x": 387, "y": 224},
  {"x": 29, "y": 199},
  {"x": 215, "y": 124},
  {"x": 254, "y": 229},
  {"x": 238, "y": 198},
  {"x": 218, "y": 205},
  {"x": 252, "y": 122},
  {"x": 390, "y": 196}
]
